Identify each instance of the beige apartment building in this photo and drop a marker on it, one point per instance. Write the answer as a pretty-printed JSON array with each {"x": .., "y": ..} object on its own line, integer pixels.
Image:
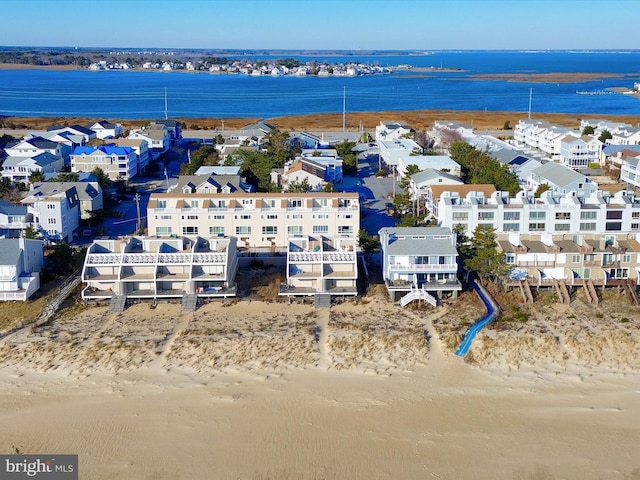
[{"x": 256, "y": 219}]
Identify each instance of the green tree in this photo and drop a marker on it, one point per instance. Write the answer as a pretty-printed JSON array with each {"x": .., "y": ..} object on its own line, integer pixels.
[
  {"x": 349, "y": 158},
  {"x": 541, "y": 189},
  {"x": 588, "y": 130},
  {"x": 36, "y": 176},
  {"x": 328, "y": 187},
  {"x": 507, "y": 125},
  {"x": 605, "y": 135},
  {"x": 406, "y": 178},
  {"x": 484, "y": 259},
  {"x": 207, "y": 155},
  {"x": 299, "y": 187},
  {"x": 278, "y": 146},
  {"x": 368, "y": 243},
  {"x": 411, "y": 220},
  {"x": 66, "y": 177},
  {"x": 480, "y": 167},
  {"x": 103, "y": 178},
  {"x": 30, "y": 232}
]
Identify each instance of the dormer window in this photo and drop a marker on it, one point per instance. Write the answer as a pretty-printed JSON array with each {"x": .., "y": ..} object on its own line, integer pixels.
[{"x": 226, "y": 189}]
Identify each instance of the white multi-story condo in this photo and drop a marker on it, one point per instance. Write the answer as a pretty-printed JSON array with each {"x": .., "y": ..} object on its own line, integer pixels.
[
  {"x": 321, "y": 264},
  {"x": 419, "y": 262},
  {"x": 572, "y": 260},
  {"x": 550, "y": 214},
  {"x": 256, "y": 219},
  {"x": 160, "y": 268},
  {"x": 578, "y": 153},
  {"x": 630, "y": 173},
  {"x": 561, "y": 180}
]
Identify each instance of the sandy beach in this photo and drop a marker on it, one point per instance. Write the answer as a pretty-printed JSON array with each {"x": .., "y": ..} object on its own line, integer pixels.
[{"x": 257, "y": 390}]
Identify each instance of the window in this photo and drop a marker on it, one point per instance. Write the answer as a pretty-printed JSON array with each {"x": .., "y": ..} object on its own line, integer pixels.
[
  {"x": 296, "y": 203},
  {"x": 588, "y": 215},
  {"x": 323, "y": 216},
  {"x": 162, "y": 204},
  {"x": 510, "y": 258},
  {"x": 243, "y": 230},
  {"x": 216, "y": 230},
  {"x": 536, "y": 227},
  {"x": 294, "y": 229},
  {"x": 575, "y": 259},
  {"x": 194, "y": 203},
  {"x": 272, "y": 217},
  {"x": 189, "y": 230},
  {"x": 563, "y": 227},
  {"x": 345, "y": 229},
  {"x": 218, "y": 217},
  {"x": 192, "y": 217},
  {"x": 619, "y": 273},
  {"x": 511, "y": 215},
  {"x": 163, "y": 230},
  {"x": 626, "y": 258},
  {"x": 165, "y": 217},
  {"x": 614, "y": 215},
  {"x": 635, "y": 226},
  {"x": 321, "y": 229},
  {"x": 587, "y": 227},
  {"x": 348, "y": 216},
  {"x": 51, "y": 221},
  {"x": 485, "y": 215},
  {"x": 563, "y": 215},
  {"x": 296, "y": 217},
  {"x": 537, "y": 215},
  {"x": 247, "y": 201},
  {"x": 461, "y": 216},
  {"x": 222, "y": 203},
  {"x": 511, "y": 227},
  {"x": 51, "y": 206},
  {"x": 269, "y": 229},
  {"x": 614, "y": 226},
  {"x": 245, "y": 217},
  {"x": 635, "y": 214}
]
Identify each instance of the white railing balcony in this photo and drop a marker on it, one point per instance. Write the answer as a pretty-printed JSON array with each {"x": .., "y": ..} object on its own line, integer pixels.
[
  {"x": 103, "y": 258},
  {"x": 137, "y": 258},
  {"x": 436, "y": 267}
]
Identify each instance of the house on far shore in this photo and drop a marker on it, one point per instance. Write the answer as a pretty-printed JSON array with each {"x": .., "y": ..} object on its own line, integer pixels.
[
  {"x": 418, "y": 263},
  {"x": 21, "y": 260}
]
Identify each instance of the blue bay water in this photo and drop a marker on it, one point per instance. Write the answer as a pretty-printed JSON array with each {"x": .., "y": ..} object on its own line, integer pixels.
[{"x": 141, "y": 94}]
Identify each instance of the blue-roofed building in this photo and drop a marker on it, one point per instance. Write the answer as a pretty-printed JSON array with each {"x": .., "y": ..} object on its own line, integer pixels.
[{"x": 118, "y": 163}]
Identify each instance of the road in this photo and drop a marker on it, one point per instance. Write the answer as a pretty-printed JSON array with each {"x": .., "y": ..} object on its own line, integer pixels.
[{"x": 375, "y": 193}]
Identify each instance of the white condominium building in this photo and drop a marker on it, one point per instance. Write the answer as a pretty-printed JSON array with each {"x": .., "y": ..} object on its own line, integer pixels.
[
  {"x": 256, "y": 219},
  {"x": 549, "y": 214},
  {"x": 154, "y": 268}
]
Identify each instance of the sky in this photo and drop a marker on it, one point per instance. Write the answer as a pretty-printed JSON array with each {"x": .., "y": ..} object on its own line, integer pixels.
[{"x": 420, "y": 25}]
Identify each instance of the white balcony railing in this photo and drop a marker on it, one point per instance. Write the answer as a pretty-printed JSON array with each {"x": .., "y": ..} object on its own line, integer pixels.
[{"x": 424, "y": 267}]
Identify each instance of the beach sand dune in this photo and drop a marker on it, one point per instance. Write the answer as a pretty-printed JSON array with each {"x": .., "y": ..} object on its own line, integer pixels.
[{"x": 259, "y": 390}]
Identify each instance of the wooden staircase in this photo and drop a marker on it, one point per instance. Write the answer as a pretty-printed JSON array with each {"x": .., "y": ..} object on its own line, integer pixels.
[
  {"x": 525, "y": 289},
  {"x": 630, "y": 290},
  {"x": 189, "y": 303},
  {"x": 322, "y": 300},
  {"x": 563, "y": 292},
  {"x": 118, "y": 303},
  {"x": 590, "y": 290}
]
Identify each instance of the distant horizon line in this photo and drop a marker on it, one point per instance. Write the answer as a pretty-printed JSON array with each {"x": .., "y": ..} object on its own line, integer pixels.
[{"x": 319, "y": 50}]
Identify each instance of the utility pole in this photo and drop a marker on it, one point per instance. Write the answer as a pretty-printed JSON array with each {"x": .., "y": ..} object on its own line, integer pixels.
[
  {"x": 137, "y": 198},
  {"x": 530, "y": 95},
  {"x": 344, "y": 108},
  {"x": 166, "y": 105},
  {"x": 166, "y": 178}
]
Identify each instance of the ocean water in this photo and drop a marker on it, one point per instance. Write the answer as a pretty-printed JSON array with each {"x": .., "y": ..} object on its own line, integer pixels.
[{"x": 141, "y": 94}]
